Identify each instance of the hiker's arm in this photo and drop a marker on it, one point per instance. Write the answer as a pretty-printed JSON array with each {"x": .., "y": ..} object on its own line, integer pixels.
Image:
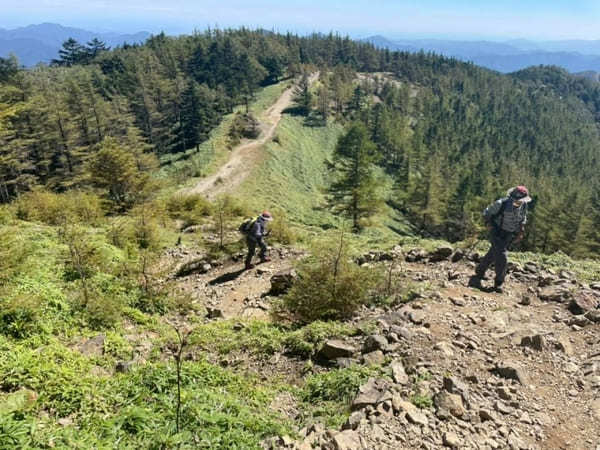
[{"x": 491, "y": 210}]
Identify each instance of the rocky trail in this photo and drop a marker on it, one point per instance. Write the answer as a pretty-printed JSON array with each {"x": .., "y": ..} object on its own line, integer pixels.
[
  {"x": 225, "y": 288},
  {"x": 518, "y": 370},
  {"x": 244, "y": 157}
]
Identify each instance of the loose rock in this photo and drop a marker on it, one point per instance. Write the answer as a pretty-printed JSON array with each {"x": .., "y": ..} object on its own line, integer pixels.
[{"x": 334, "y": 348}]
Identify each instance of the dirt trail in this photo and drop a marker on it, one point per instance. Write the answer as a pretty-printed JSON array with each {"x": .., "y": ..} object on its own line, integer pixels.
[{"x": 244, "y": 157}]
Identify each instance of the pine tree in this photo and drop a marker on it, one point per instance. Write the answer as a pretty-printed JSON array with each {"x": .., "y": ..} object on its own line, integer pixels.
[
  {"x": 71, "y": 53},
  {"x": 94, "y": 48},
  {"x": 303, "y": 96},
  {"x": 323, "y": 100},
  {"x": 355, "y": 192}
]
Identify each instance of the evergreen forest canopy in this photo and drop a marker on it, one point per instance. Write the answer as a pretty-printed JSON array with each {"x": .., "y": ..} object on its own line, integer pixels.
[{"x": 451, "y": 135}]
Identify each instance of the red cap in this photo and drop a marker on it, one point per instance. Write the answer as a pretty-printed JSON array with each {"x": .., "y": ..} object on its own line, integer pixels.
[{"x": 520, "y": 193}]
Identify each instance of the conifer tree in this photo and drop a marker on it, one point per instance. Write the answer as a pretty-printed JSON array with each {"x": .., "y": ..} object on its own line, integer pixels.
[
  {"x": 71, "y": 53},
  {"x": 115, "y": 169},
  {"x": 94, "y": 48},
  {"x": 355, "y": 192},
  {"x": 303, "y": 96}
]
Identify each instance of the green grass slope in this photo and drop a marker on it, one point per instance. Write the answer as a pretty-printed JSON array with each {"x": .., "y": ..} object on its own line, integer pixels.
[{"x": 293, "y": 178}]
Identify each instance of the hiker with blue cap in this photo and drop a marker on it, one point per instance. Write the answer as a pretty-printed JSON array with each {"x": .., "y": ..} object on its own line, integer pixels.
[{"x": 506, "y": 219}]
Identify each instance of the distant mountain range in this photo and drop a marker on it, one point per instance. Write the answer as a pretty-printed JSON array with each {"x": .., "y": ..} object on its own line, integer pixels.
[
  {"x": 574, "y": 56},
  {"x": 40, "y": 43},
  {"x": 35, "y": 44}
]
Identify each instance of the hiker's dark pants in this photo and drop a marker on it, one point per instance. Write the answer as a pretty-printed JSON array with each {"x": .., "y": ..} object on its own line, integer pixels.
[
  {"x": 252, "y": 243},
  {"x": 498, "y": 255}
]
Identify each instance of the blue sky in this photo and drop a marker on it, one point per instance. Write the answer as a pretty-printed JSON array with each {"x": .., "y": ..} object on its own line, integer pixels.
[{"x": 469, "y": 19}]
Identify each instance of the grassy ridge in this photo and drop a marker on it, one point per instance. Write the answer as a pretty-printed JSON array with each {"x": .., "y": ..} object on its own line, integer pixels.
[
  {"x": 293, "y": 172},
  {"x": 186, "y": 167},
  {"x": 293, "y": 177}
]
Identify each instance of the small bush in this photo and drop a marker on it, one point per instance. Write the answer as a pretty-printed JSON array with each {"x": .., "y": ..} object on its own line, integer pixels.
[
  {"x": 330, "y": 285},
  {"x": 55, "y": 209},
  {"x": 19, "y": 317},
  {"x": 281, "y": 230},
  {"x": 235, "y": 206},
  {"x": 188, "y": 208},
  {"x": 6, "y": 215},
  {"x": 308, "y": 340},
  {"x": 15, "y": 249},
  {"x": 102, "y": 310},
  {"x": 336, "y": 385},
  {"x": 422, "y": 401},
  {"x": 244, "y": 126}
]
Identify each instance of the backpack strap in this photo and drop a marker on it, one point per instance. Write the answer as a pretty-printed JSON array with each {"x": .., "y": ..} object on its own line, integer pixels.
[{"x": 494, "y": 218}]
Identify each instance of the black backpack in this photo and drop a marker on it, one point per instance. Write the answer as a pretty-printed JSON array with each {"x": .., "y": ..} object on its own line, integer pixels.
[
  {"x": 496, "y": 219},
  {"x": 246, "y": 226}
]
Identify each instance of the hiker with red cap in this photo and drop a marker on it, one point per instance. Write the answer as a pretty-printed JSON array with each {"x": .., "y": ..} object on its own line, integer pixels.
[
  {"x": 506, "y": 219},
  {"x": 256, "y": 237}
]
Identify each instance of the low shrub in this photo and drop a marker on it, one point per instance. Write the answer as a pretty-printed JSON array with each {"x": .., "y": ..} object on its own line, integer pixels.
[
  {"x": 6, "y": 214},
  {"x": 281, "y": 229},
  {"x": 244, "y": 126},
  {"x": 336, "y": 385},
  {"x": 188, "y": 208},
  {"x": 331, "y": 286},
  {"x": 19, "y": 317},
  {"x": 308, "y": 340},
  {"x": 54, "y": 209},
  {"x": 422, "y": 401}
]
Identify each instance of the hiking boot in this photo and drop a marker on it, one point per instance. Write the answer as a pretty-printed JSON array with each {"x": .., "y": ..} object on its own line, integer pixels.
[
  {"x": 498, "y": 289},
  {"x": 249, "y": 266}
]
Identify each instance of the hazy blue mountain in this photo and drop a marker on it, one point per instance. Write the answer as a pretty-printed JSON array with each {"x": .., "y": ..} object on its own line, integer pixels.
[
  {"x": 573, "y": 62},
  {"x": 569, "y": 46},
  {"x": 40, "y": 43},
  {"x": 589, "y": 74},
  {"x": 574, "y": 55}
]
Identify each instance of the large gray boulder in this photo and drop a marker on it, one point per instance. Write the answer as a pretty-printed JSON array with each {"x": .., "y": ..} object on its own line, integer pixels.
[
  {"x": 554, "y": 294},
  {"x": 581, "y": 304},
  {"x": 416, "y": 255},
  {"x": 200, "y": 265}
]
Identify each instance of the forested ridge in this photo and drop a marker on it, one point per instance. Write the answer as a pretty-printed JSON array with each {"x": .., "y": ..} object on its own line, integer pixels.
[{"x": 451, "y": 135}]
